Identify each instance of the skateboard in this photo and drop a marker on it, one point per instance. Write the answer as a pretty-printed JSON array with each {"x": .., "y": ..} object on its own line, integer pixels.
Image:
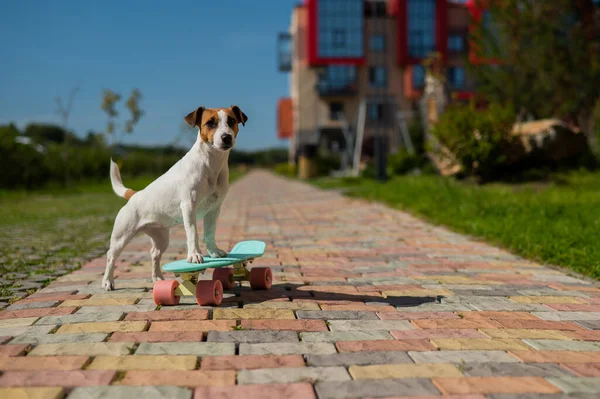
[{"x": 210, "y": 292}]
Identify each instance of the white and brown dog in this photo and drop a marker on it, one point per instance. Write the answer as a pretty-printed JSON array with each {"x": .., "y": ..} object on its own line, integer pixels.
[{"x": 195, "y": 186}]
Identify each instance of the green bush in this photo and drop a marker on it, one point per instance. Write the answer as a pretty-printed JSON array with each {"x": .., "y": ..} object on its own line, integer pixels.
[
  {"x": 264, "y": 158},
  {"x": 139, "y": 163},
  {"x": 404, "y": 162},
  {"x": 36, "y": 158},
  {"x": 23, "y": 163},
  {"x": 369, "y": 171},
  {"x": 416, "y": 133},
  {"x": 477, "y": 138},
  {"x": 286, "y": 169},
  {"x": 327, "y": 163}
]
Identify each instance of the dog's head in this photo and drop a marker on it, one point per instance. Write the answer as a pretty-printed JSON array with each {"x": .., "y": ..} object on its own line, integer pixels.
[{"x": 218, "y": 126}]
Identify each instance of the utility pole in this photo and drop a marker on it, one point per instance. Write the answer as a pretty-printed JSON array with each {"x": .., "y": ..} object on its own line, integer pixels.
[{"x": 382, "y": 93}]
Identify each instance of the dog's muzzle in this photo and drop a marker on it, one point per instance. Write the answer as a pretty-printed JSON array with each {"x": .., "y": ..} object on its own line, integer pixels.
[{"x": 227, "y": 140}]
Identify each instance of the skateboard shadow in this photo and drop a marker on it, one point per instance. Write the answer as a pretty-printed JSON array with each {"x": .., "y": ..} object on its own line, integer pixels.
[{"x": 292, "y": 291}]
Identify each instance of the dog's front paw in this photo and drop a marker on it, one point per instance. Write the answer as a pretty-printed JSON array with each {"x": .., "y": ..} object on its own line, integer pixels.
[
  {"x": 108, "y": 284},
  {"x": 216, "y": 252},
  {"x": 195, "y": 258}
]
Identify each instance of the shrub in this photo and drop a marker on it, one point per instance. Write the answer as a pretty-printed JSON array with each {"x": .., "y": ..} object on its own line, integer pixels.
[
  {"x": 477, "y": 138},
  {"x": 404, "y": 162},
  {"x": 286, "y": 169},
  {"x": 37, "y": 159},
  {"x": 326, "y": 163},
  {"x": 369, "y": 170},
  {"x": 23, "y": 163},
  {"x": 416, "y": 133}
]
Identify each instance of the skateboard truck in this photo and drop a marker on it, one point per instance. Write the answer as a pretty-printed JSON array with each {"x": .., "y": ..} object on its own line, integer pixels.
[{"x": 240, "y": 272}]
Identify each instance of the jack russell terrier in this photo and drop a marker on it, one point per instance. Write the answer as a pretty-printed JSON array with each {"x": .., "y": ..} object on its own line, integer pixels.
[{"x": 195, "y": 186}]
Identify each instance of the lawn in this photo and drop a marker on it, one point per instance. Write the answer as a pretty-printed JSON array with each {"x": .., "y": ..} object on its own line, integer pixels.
[
  {"x": 48, "y": 232},
  {"x": 556, "y": 223}
]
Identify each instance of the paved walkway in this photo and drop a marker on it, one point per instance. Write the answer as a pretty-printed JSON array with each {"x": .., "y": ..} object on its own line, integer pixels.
[{"x": 367, "y": 302}]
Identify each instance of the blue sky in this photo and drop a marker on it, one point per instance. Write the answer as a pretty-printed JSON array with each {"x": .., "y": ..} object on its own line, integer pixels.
[{"x": 180, "y": 54}]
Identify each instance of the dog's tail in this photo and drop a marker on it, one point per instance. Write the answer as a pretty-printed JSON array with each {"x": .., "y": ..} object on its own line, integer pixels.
[{"x": 117, "y": 182}]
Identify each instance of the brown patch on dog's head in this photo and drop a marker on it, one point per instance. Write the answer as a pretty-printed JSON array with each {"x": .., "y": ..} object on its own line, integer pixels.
[
  {"x": 239, "y": 115},
  {"x": 210, "y": 125},
  {"x": 194, "y": 118},
  {"x": 217, "y": 121}
]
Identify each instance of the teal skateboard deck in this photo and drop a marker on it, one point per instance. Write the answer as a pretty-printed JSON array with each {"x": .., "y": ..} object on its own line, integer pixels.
[
  {"x": 210, "y": 292},
  {"x": 242, "y": 251}
]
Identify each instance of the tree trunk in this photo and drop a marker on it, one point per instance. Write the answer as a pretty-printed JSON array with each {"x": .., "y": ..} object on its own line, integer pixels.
[{"x": 587, "y": 124}]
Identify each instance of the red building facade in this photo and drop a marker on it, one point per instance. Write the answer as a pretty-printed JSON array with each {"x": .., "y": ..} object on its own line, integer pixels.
[{"x": 339, "y": 51}]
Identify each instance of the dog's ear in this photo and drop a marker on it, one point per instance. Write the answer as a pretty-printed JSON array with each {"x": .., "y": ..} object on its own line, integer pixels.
[
  {"x": 194, "y": 118},
  {"x": 239, "y": 115}
]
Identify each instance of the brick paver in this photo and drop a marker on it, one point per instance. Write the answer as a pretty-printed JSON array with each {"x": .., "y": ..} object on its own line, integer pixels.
[{"x": 366, "y": 302}]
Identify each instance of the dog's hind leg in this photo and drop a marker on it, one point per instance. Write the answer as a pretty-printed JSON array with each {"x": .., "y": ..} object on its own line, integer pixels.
[
  {"x": 160, "y": 243},
  {"x": 124, "y": 230}
]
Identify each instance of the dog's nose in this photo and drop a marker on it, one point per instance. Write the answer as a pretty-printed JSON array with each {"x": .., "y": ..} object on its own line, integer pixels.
[{"x": 226, "y": 139}]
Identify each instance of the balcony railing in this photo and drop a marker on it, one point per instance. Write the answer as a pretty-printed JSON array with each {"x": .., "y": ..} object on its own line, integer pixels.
[
  {"x": 338, "y": 80},
  {"x": 328, "y": 90}
]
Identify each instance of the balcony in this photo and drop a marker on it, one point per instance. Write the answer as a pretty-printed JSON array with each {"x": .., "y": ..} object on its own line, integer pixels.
[
  {"x": 329, "y": 90},
  {"x": 284, "y": 52},
  {"x": 338, "y": 80}
]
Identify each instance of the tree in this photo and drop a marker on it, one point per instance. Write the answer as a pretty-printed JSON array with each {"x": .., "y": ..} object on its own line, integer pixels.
[
  {"x": 94, "y": 139},
  {"x": 43, "y": 133},
  {"x": 64, "y": 111},
  {"x": 548, "y": 56},
  {"x": 133, "y": 105},
  {"x": 109, "y": 103}
]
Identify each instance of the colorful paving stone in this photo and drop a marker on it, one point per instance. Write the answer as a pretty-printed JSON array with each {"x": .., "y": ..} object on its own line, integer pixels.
[{"x": 366, "y": 302}]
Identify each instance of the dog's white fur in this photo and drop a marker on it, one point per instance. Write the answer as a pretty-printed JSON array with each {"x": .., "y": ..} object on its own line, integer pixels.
[{"x": 195, "y": 186}]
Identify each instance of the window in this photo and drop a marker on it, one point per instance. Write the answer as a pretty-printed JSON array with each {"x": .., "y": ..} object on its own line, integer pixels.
[
  {"x": 456, "y": 78},
  {"x": 456, "y": 43},
  {"x": 377, "y": 43},
  {"x": 418, "y": 76},
  {"x": 284, "y": 49},
  {"x": 375, "y": 9},
  {"x": 336, "y": 111},
  {"x": 340, "y": 28},
  {"x": 421, "y": 28},
  {"x": 337, "y": 78},
  {"x": 375, "y": 111},
  {"x": 378, "y": 76},
  {"x": 339, "y": 38}
]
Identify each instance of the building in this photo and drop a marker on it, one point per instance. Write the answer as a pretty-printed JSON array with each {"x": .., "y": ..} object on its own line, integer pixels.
[{"x": 353, "y": 59}]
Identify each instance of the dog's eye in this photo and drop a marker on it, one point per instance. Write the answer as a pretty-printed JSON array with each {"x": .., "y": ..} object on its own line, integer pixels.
[
  {"x": 210, "y": 124},
  {"x": 231, "y": 121}
]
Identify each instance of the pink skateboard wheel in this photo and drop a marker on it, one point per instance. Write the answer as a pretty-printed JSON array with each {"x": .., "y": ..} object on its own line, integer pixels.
[
  {"x": 164, "y": 292},
  {"x": 261, "y": 278},
  {"x": 225, "y": 276},
  {"x": 209, "y": 292}
]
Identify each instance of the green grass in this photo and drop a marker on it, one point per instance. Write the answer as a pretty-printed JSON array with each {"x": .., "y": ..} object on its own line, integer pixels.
[
  {"x": 53, "y": 228},
  {"x": 557, "y": 222}
]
